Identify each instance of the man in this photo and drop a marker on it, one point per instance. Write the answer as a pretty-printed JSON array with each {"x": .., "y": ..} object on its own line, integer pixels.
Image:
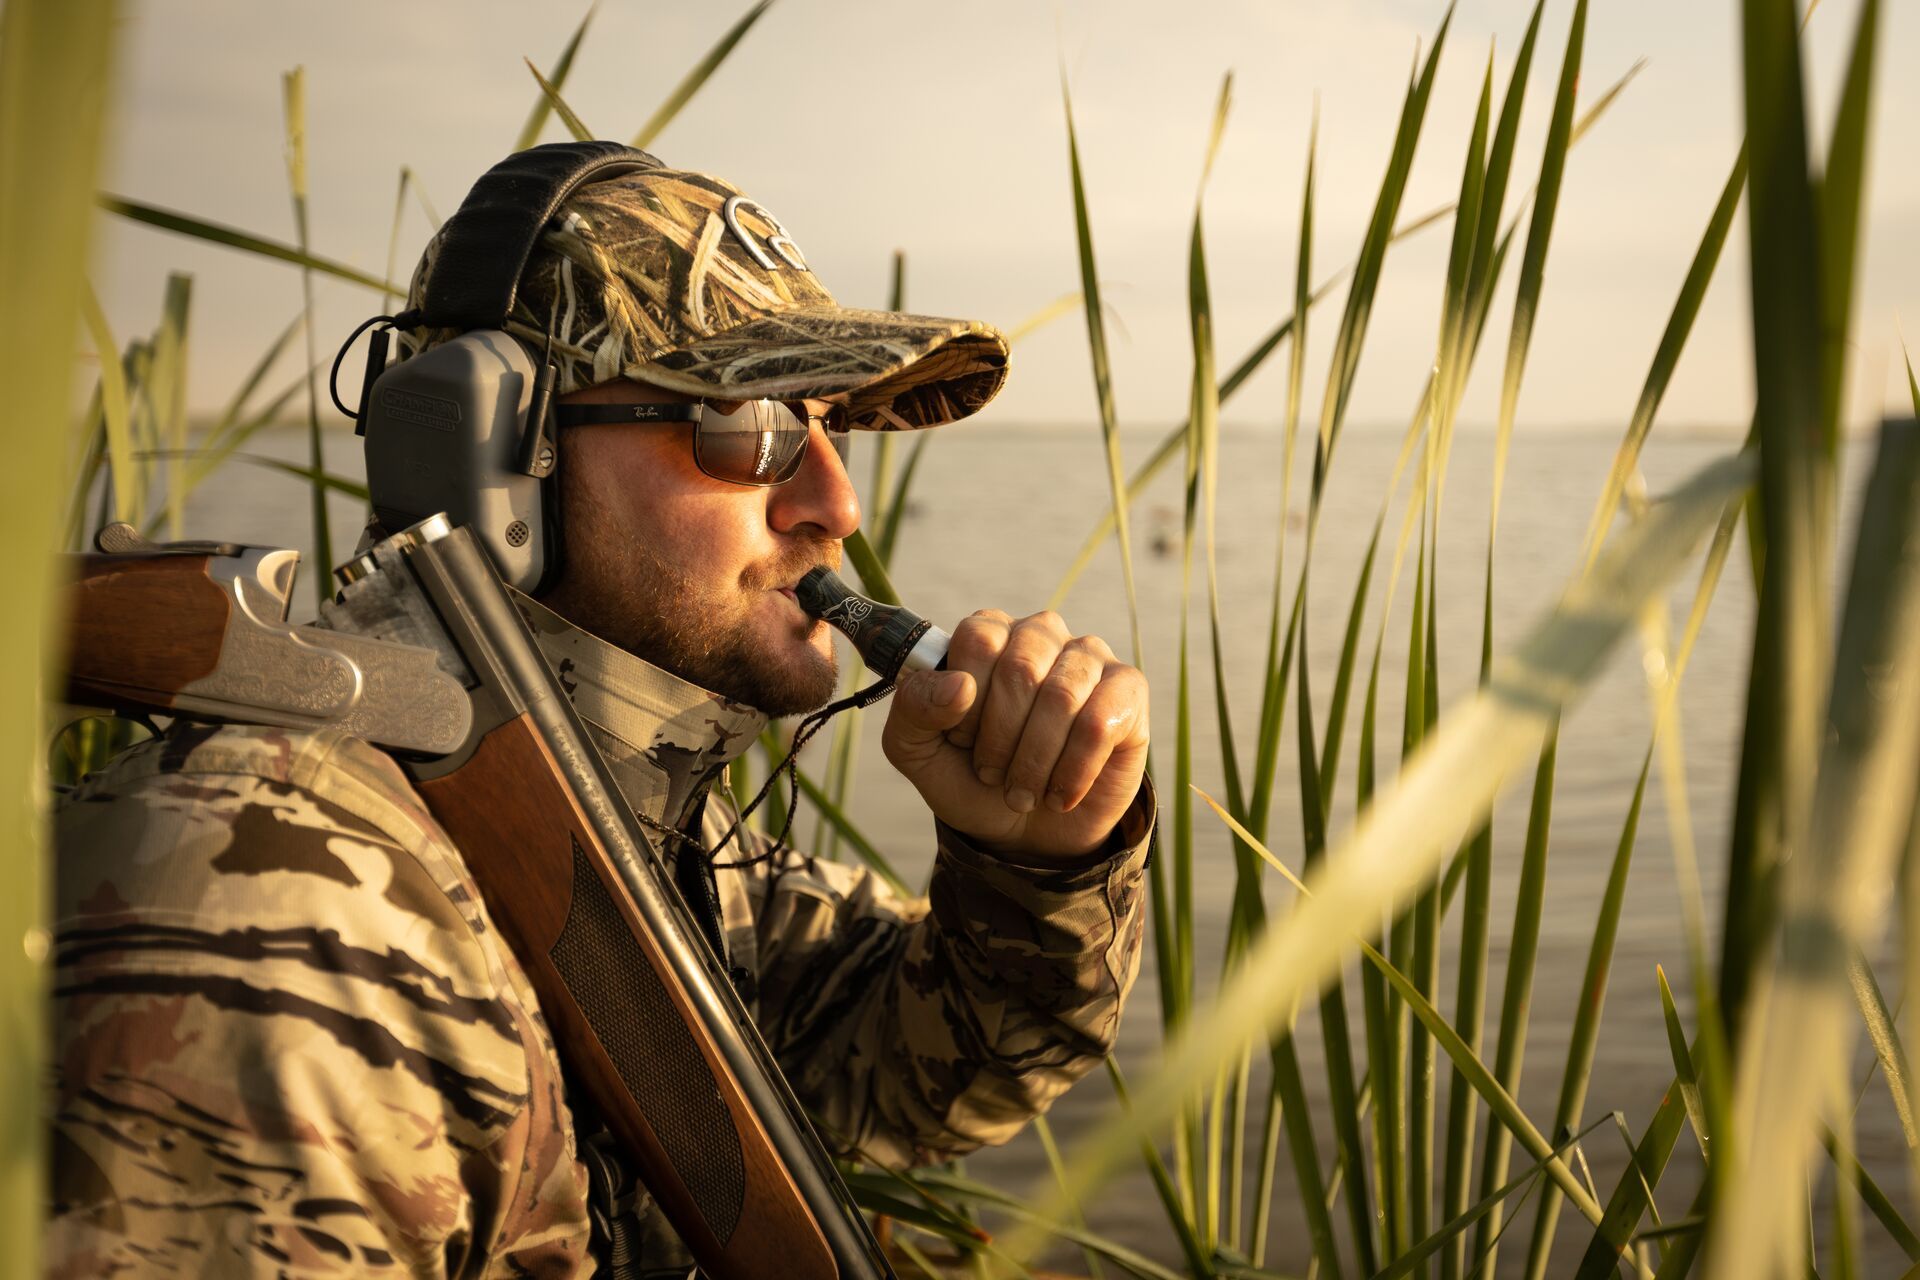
[{"x": 289, "y": 1040}]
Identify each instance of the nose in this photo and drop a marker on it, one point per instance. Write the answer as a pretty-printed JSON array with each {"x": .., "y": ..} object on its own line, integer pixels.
[{"x": 819, "y": 495}]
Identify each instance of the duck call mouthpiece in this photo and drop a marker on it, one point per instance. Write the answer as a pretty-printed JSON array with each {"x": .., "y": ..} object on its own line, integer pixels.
[{"x": 891, "y": 638}]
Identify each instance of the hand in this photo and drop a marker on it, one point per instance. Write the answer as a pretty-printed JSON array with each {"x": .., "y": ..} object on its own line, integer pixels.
[{"x": 1033, "y": 740}]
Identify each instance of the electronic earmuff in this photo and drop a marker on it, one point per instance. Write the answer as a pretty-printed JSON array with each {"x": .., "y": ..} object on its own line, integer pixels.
[{"x": 465, "y": 427}]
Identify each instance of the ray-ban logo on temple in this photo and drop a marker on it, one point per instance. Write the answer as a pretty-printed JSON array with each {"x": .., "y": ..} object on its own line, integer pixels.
[{"x": 780, "y": 242}]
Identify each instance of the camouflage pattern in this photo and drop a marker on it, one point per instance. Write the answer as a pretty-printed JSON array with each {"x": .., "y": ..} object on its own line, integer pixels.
[
  {"x": 290, "y": 1043},
  {"x": 657, "y": 276}
]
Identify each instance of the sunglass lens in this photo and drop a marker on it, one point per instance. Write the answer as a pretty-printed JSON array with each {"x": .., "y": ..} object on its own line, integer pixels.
[{"x": 759, "y": 443}]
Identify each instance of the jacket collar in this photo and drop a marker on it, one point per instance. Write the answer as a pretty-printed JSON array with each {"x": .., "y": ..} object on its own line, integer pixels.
[{"x": 665, "y": 740}]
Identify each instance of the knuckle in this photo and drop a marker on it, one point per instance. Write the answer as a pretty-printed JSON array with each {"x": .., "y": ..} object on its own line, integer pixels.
[
  {"x": 1022, "y": 674},
  {"x": 1059, "y": 692}
]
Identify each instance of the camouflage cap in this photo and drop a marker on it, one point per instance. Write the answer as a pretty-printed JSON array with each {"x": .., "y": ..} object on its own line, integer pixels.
[{"x": 678, "y": 280}]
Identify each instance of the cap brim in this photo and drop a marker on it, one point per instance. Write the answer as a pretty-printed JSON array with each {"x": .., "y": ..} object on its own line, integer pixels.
[{"x": 898, "y": 372}]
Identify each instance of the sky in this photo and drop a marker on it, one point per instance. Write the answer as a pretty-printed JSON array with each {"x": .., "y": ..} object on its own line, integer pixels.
[{"x": 870, "y": 126}]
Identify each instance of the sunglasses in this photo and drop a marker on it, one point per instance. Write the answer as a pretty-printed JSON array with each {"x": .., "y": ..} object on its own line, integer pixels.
[{"x": 761, "y": 443}]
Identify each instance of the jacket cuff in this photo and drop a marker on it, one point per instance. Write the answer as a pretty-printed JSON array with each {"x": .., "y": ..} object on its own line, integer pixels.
[{"x": 1126, "y": 849}]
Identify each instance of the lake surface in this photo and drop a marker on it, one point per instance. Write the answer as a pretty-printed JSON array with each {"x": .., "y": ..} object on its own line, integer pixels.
[{"x": 997, "y": 518}]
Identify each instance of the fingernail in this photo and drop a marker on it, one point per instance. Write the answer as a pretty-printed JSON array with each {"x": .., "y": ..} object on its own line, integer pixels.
[
  {"x": 990, "y": 775},
  {"x": 949, "y": 689},
  {"x": 1057, "y": 801},
  {"x": 1020, "y": 800}
]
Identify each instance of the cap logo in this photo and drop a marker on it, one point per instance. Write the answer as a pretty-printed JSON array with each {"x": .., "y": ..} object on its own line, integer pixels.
[{"x": 780, "y": 242}]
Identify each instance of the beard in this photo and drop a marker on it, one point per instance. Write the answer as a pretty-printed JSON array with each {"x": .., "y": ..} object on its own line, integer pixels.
[{"x": 702, "y": 631}]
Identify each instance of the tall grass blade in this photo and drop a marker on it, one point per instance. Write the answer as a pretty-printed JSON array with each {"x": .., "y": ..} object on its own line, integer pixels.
[
  {"x": 1448, "y": 787},
  {"x": 56, "y": 60},
  {"x": 1779, "y": 753},
  {"x": 1502, "y": 1104},
  {"x": 1686, "y": 309},
  {"x": 568, "y": 116},
  {"x": 295, "y": 86},
  {"x": 697, "y": 76},
  {"x": 1102, "y": 373},
  {"x": 166, "y": 393},
  {"x": 1892, "y": 1055},
  {"x": 116, "y": 409},
  {"x": 543, "y": 105},
  {"x": 1178, "y": 1206},
  {"x": 1792, "y": 1070},
  {"x": 1454, "y": 1230},
  {"x": 1683, "y": 1069},
  {"x": 1585, "y": 1037},
  {"x": 246, "y": 241}
]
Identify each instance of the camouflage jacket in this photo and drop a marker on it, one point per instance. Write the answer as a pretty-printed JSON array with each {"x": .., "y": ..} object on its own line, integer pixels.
[{"x": 289, "y": 1042}]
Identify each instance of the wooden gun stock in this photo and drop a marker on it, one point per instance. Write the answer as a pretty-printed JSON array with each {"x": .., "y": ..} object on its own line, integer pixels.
[
  {"x": 644, "y": 1016},
  {"x": 634, "y": 1038}
]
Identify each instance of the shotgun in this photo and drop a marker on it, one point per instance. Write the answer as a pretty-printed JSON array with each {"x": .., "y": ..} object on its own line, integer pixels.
[{"x": 422, "y": 652}]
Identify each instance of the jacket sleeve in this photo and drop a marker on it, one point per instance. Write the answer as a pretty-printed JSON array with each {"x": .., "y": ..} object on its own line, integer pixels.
[
  {"x": 280, "y": 1046},
  {"x": 919, "y": 1029}
]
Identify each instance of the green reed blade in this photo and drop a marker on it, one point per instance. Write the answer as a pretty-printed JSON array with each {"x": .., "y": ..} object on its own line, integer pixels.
[
  {"x": 696, "y": 77},
  {"x": 1539, "y": 235},
  {"x": 1448, "y": 787},
  {"x": 1679, "y": 324},
  {"x": 1803, "y": 234},
  {"x": 1779, "y": 752},
  {"x": 236, "y": 405},
  {"x": 1170, "y": 444},
  {"x": 166, "y": 393},
  {"x": 897, "y": 505},
  {"x": 294, "y": 84},
  {"x": 1683, "y": 1070},
  {"x": 568, "y": 116},
  {"x": 393, "y": 234},
  {"x": 324, "y": 480},
  {"x": 845, "y": 746},
  {"x": 1633, "y": 1194},
  {"x": 1335, "y": 1037},
  {"x": 1453, "y": 1230},
  {"x": 233, "y": 238},
  {"x": 1263, "y": 1184},
  {"x": 1585, "y": 1038},
  {"x": 138, "y": 366},
  {"x": 1290, "y": 1091},
  {"x": 957, "y": 1187},
  {"x": 1351, "y": 335},
  {"x": 862, "y": 847},
  {"x": 1102, "y": 375},
  {"x": 881, "y": 485},
  {"x": 1877, "y": 1201},
  {"x": 206, "y": 458},
  {"x": 1499, "y": 1101},
  {"x": 1045, "y": 1133},
  {"x": 115, "y": 407},
  {"x": 1178, "y": 1206},
  {"x": 1793, "y": 1069},
  {"x": 56, "y": 63},
  {"x": 1686, "y": 309},
  {"x": 1517, "y": 996},
  {"x": 1273, "y": 694},
  {"x": 866, "y": 562},
  {"x": 1891, "y": 1054},
  {"x": 542, "y": 105},
  {"x": 85, "y": 475}
]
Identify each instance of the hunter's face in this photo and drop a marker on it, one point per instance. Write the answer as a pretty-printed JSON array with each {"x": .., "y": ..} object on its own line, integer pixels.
[{"x": 694, "y": 574}]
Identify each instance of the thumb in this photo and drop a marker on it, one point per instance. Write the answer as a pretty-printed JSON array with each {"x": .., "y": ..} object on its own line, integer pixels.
[{"x": 925, "y": 706}]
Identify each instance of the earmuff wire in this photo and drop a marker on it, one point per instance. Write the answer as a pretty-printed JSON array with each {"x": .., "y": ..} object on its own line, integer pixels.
[{"x": 333, "y": 378}]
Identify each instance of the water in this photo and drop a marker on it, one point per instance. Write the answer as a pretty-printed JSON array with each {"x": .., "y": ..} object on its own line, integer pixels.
[{"x": 1000, "y": 512}]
